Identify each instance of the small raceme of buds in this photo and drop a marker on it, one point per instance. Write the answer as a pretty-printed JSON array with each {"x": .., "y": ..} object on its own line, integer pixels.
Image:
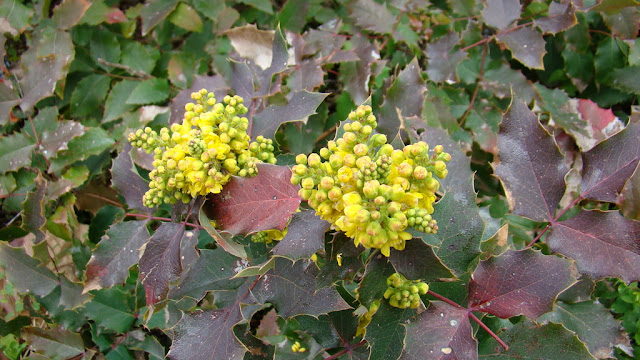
[
  {"x": 403, "y": 293},
  {"x": 368, "y": 189},
  {"x": 198, "y": 156},
  {"x": 268, "y": 236}
]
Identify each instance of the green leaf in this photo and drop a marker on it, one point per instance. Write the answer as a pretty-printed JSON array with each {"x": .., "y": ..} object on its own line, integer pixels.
[
  {"x": 15, "y": 152},
  {"x": 93, "y": 142},
  {"x": 25, "y": 273},
  {"x": 374, "y": 282},
  {"x": 262, "y": 5},
  {"x": 223, "y": 239},
  {"x": 140, "y": 58},
  {"x": 7, "y": 184},
  {"x": 99, "y": 12},
  {"x": 181, "y": 68},
  {"x": 33, "y": 219},
  {"x": 526, "y": 45},
  {"x": 626, "y": 79},
  {"x": 112, "y": 309},
  {"x": 105, "y": 47},
  {"x": 386, "y": 332},
  {"x": 17, "y": 14},
  {"x": 116, "y": 105},
  {"x": 372, "y": 16},
  {"x": 442, "y": 60},
  {"x": 57, "y": 140},
  {"x": 89, "y": 95},
  {"x": 305, "y": 236},
  {"x": 153, "y": 12},
  {"x": 116, "y": 253},
  {"x": 186, "y": 17},
  {"x": 54, "y": 343},
  {"x": 501, "y": 13},
  {"x": 613, "y": 6},
  {"x": 8, "y": 99},
  {"x": 69, "y": 13},
  {"x": 610, "y": 55},
  {"x": 418, "y": 261},
  {"x": 150, "y": 91}
]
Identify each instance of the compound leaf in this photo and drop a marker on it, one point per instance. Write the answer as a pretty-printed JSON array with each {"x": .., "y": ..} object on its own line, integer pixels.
[
  {"x": 441, "y": 332},
  {"x": 263, "y": 202},
  {"x": 519, "y": 283},
  {"x": 530, "y": 165},
  {"x": 305, "y": 236},
  {"x": 604, "y": 244}
]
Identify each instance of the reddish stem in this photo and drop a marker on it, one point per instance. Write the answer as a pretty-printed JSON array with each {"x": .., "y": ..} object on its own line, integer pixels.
[
  {"x": 442, "y": 298},
  {"x": 555, "y": 219},
  {"x": 12, "y": 195},
  {"x": 163, "y": 219},
  {"x": 486, "y": 328},
  {"x": 347, "y": 349},
  {"x": 487, "y": 39},
  {"x": 105, "y": 199}
]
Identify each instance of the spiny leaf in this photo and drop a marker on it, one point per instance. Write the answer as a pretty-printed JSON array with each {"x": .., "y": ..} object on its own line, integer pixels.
[
  {"x": 297, "y": 281},
  {"x": 561, "y": 17},
  {"x": 332, "y": 272},
  {"x": 624, "y": 23},
  {"x": 386, "y": 333},
  {"x": 150, "y": 91},
  {"x": 591, "y": 321},
  {"x": 441, "y": 332},
  {"x": 528, "y": 340},
  {"x": 112, "y": 309},
  {"x": 301, "y": 105},
  {"x": 442, "y": 60},
  {"x": 54, "y": 343},
  {"x": 305, "y": 236},
  {"x": 530, "y": 166},
  {"x": 33, "y": 219},
  {"x": 154, "y": 12},
  {"x": 127, "y": 181},
  {"x": 526, "y": 45},
  {"x": 604, "y": 244},
  {"x": 116, "y": 253},
  {"x": 374, "y": 282},
  {"x": 418, "y": 261},
  {"x": 161, "y": 263},
  {"x": 519, "y": 283},
  {"x": 371, "y": 15},
  {"x": 139, "y": 58},
  {"x": 459, "y": 167},
  {"x": 69, "y": 13},
  {"x": 263, "y": 202},
  {"x": 608, "y": 166},
  {"x": 92, "y": 142},
  {"x": 57, "y": 140},
  {"x": 215, "y": 84},
  {"x": 15, "y": 152},
  {"x": 8, "y": 99},
  {"x": 501, "y": 13},
  {"x": 25, "y": 273}
]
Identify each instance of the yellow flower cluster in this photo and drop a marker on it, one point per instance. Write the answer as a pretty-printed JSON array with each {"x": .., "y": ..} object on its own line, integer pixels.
[
  {"x": 268, "y": 236},
  {"x": 403, "y": 293},
  {"x": 367, "y": 189},
  {"x": 198, "y": 156}
]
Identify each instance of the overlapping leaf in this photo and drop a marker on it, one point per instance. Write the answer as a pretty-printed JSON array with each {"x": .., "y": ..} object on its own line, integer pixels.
[
  {"x": 305, "y": 236},
  {"x": 92, "y": 142},
  {"x": 54, "y": 343},
  {"x": 519, "y": 283},
  {"x": 442, "y": 60},
  {"x": 127, "y": 181},
  {"x": 530, "y": 166},
  {"x": 418, "y": 261},
  {"x": 27, "y": 274},
  {"x": 459, "y": 167},
  {"x": 8, "y": 99},
  {"x": 526, "y": 45},
  {"x": 247, "y": 205},
  {"x": 301, "y": 105},
  {"x": 561, "y": 17},
  {"x": 58, "y": 139},
  {"x": 386, "y": 332},
  {"x": 604, "y": 244},
  {"x": 500, "y": 14},
  {"x": 33, "y": 219},
  {"x": 15, "y": 152}
]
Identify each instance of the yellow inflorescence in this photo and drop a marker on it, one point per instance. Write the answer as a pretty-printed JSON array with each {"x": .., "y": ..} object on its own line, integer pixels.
[
  {"x": 367, "y": 189},
  {"x": 403, "y": 293},
  {"x": 198, "y": 156}
]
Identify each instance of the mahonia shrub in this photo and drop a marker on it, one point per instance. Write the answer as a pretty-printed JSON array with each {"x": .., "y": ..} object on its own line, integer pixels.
[
  {"x": 368, "y": 189},
  {"x": 198, "y": 156}
]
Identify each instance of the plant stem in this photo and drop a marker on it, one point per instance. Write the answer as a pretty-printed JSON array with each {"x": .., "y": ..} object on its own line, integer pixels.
[
  {"x": 347, "y": 349},
  {"x": 163, "y": 219},
  {"x": 555, "y": 219},
  {"x": 442, "y": 298},
  {"x": 486, "y": 328}
]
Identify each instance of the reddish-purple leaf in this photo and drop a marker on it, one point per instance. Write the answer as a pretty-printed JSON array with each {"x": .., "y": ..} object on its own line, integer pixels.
[
  {"x": 372, "y": 16},
  {"x": 127, "y": 181},
  {"x": 561, "y": 17},
  {"x": 441, "y": 332},
  {"x": 292, "y": 289},
  {"x": 418, "y": 261},
  {"x": 305, "y": 236},
  {"x": 207, "y": 335},
  {"x": 355, "y": 75},
  {"x": 519, "y": 283},
  {"x": 301, "y": 105},
  {"x": 501, "y": 13},
  {"x": 529, "y": 165},
  {"x": 161, "y": 263},
  {"x": 603, "y": 244},
  {"x": 526, "y": 45},
  {"x": 54, "y": 141},
  {"x": 630, "y": 197},
  {"x": 459, "y": 167},
  {"x": 116, "y": 253},
  {"x": 247, "y": 205},
  {"x": 608, "y": 166},
  {"x": 442, "y": 61}
]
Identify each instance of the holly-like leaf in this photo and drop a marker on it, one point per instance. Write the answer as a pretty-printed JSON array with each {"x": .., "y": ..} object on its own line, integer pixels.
[
  {"x": 222, "y": 238},
  {"x": 624, "y": 23},
  {"x": 33, "y": 219},
  {"x": 460, "y": 228},
  {"x": 112, "y": 309},
  {"x": 69, "y": 13},
  {"x": 418, "y": 261},
  {"x": 501, "y": 13},
  {"x": 441, "y": 332},
  {"x": 116, "y": 253},
  {"x": 528, "y": 340},
  {"x": 253, "y": 44},
  {"x": 92, "y": 142},
  {"x": 374, "y": 282},
  {"x": 215, "y": 84},
  {"x": 351, "y": 263},
  {"x": 25, "y": 273},
  {"x": 630, "y": 197},
  {"x": 139, "y": 58},
  {"x": 372, "y": 16},
  {"x": 301, "y": 105},
  {"x": 57, "y": 140},
  {"x": 591, "y": 321},
  {"x": 99, "y": 12},
  {"x": 386, "y": 332},
  {"x": 613, "y": 6},
  {"x": 116, "y": 105},
  {"x": 459, "y": 167},
  {"x": 355, "y": 75},
  {"x": 305, "y": 236},
  {"x": 608, "y": 166},
  {"x": 8, "y": 99},
  {"x": 207, "y": 335},
  {"x": 45, "y": 62},
  {"x": 54, "y": 343},
  {"x": 263, "y": 202},
  {"x": 186, "y": 17},
  {"x": 519, "y": 283},
  {"x": 442, "y": 60},
  {"x": 604, "y": 244},
  {"x": 127, "y": 181},
  {"x": 530, "y": 165},
  {"x": 15, "y": 152},
  {"x": 297, "y": 281},
  {"x": 161, "y": 263},
  {"x": 150, "y": 91},
  {"x": 526, "y": 45},
  {"x": 561, "y": 17},
  {"x": 153, "y": 12}
]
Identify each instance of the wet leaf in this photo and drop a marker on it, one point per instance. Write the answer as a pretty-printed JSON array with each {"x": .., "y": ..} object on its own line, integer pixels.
[
  {"x": 301, "y": 105},
  {"x": 117, "y": 251},
  {"x": 186, "y": 17},
  {"x": 603, "y": 244},
  {"x": 92, "y": 142},
  {"x": 89, "y": 94},
  {"x": 371, "y": 15},
  {"x": 305, "y": 236},
  {"x": 608, "y": 166},
  {"x": 54, "y": 343},
  {"x": 57, "y": 140},
  {"x": 386, "y": 332},
  {"x": 526, "y": 45},
  {"x": 519, "y": 283},
  {"x": 297, "y": 281},
  {"x": 126, "y": 180},
  {"x": 528, "y": 340},
  {"x": 530, "y": 166},
  {"x": 207, "y": 335},
  {"x": 442, "y": 59},
  {"x": 561, "y": 17},
  {"x": 418, "y": 261},
  {"x": 247, "y": 205},
  {"x": 8, "y": 99},
  {"x": 591, "y": 321},
  {"x": 15, "y": 152},
  {"x": 25, "y": 273},
  {"x": 153, "y": 12},
  {"x": 501, "y": 13},
  {"x": 441, "y": 332},
  {"x": 69, "y": 13}
]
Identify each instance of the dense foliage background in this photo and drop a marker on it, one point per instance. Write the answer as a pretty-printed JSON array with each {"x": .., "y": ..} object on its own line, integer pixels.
[{"x": 539, "y": 243}]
